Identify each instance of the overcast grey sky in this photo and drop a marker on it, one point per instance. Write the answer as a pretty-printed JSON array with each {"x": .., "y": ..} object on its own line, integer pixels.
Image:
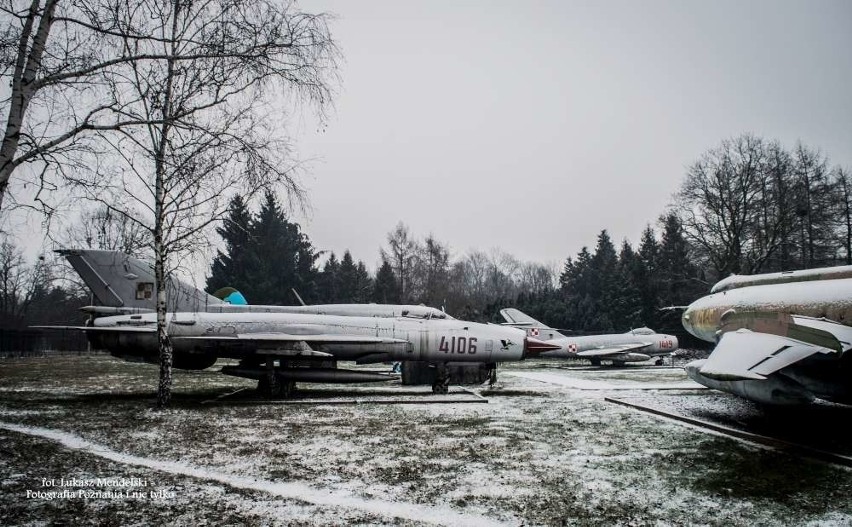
[{"x": 531, "y": 126}]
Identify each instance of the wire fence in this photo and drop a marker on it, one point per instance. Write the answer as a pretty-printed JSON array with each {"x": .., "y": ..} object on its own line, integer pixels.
[{"x": 39, "y": 343}]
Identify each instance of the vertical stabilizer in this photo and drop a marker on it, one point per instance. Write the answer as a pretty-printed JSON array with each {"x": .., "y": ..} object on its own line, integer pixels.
[
  {"x": 518, "y": 318},
  {"x": 120, "y": 280}
]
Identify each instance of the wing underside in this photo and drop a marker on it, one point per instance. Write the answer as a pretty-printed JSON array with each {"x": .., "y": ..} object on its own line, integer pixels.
[{"x": 746, "y": 354}]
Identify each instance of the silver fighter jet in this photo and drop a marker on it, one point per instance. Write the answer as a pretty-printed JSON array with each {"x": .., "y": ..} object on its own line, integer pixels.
[
  {"x": 781, "y": 338},
  {"x": 278, "y": 349},
  {"x": 636, "y": 345}
]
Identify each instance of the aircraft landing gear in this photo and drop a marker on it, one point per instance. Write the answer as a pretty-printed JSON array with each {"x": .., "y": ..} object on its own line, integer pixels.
[
  {"x": 271, "y": 386},
  {"x": 442, "y": 379},
  {"x": 595, "y": 362},
  {"x": 274, "y": 388},
  {"x": 660, "y": 362}
]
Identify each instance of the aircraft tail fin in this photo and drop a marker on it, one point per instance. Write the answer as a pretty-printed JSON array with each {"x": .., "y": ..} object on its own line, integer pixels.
[
  {"x": 120, "y": 280},
  {"x": 515, "y": 317}
]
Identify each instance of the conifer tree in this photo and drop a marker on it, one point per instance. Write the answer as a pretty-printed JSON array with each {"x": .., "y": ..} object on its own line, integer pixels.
[
  {"x": 627, "y": 305},
  {"x": 229, "y": 267},
  {"x": 678, "y": 275},
  {"x": 346, "y": 279},
  {"x": 386, "y": 288},
  {"x": 329, "y": 282},
  {"x": 363, "y": 285},
  {"x": 647, "y": 278},
  {"x": 604, "y": 282}
]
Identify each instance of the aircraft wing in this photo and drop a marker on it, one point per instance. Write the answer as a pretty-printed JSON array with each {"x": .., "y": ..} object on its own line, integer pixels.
[
  {"x": 620, "y": 349},
  {"x": 281, "y": 338},
  {"x": 754, "y": 345},
  {"x": 745, "y": 354},
  {"x": 289, "y": 344},
  {"x": 280, "y": 343},
  {"x": 104, "y": 329}
]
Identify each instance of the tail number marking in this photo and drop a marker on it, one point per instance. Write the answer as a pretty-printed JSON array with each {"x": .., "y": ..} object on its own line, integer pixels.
[
  {"x": 458, "y": 345},
  {"x": 666, "y": 344}
]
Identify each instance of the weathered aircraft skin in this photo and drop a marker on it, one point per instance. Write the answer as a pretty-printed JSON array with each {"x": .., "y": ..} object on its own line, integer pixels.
[
  {"x": 236, "y": 335},
  {"x": 279, "y": 345},
  {"x": 282, "y": 348},
  {"x": 634, "y": 346},
  {"x": 125, "y": 285},
  {"x": 777, "y": 343},
  {"x": 823, "y": 273}
]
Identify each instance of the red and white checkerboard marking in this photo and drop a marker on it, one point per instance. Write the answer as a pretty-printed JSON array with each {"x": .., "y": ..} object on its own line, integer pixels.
[
  {"x": 572, "y": 348},
  {"x": 533, "y": 332}
]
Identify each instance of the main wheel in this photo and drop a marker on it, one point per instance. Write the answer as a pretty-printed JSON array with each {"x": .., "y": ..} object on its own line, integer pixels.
[
  {"x": 442, "y": 379},
  {"x": 269, "y": 386}
]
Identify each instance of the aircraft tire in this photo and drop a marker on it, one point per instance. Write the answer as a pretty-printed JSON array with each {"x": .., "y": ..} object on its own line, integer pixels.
[
  {"x": 269, "y": 386},
  {"x": 287, "y": 389},
  {"x": 442, "y": 380}
]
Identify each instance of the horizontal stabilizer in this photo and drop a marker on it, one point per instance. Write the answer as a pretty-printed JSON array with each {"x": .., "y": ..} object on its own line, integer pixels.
[{"x": 746, "y": 354}]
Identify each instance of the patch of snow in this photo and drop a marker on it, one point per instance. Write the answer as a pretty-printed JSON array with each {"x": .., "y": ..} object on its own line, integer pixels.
[{"x": 408, "y": 511}]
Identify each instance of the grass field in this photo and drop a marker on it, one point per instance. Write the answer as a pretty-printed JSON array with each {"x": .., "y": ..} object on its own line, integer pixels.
[{"x": 536, "y": 454}]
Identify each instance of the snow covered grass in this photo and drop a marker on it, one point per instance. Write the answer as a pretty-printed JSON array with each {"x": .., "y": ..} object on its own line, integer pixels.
[{"x": 538, "y": 453}]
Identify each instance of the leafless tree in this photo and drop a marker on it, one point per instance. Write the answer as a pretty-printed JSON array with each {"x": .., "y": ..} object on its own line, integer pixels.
[
  {"x": 205, "y": 124},
  {"x": 402, "y": 254},
  {"x": 843, "y": 184},
  {"x": 752, "y": 206},
  {"x": 103, "y": 228},
  {"x": 54, "y": 55},
  {"x": 19, "y": 282},
  {"x": 814, "y": 196},
  {"x": 432, "y": 269}
]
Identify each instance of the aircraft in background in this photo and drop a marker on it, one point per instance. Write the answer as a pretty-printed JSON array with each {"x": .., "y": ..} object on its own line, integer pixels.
[
  {"x": 636, "y": 345},
  {"x": 279, "y": 348},
  {"x": 781, "y": 338},
  {"x": 125, "y": 285}
]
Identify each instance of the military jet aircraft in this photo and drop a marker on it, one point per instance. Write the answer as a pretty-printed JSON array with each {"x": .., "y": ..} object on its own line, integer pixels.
[
  {"x": 279, "y": 348},
  {"x": 125, "y": 285},
  {"x": 781, "y": 338},
  {"x": 636, "y": 345}
]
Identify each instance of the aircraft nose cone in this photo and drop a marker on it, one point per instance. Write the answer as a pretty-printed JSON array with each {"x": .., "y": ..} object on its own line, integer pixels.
[
  {"x": 686, "y": 321},
  {"x": 675, "y": 343}
]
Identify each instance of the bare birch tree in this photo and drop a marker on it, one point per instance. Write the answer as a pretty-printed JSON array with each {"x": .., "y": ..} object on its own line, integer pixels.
[
  {"x": 205, "y": 127},
  {"x": 53, "y": 56}
]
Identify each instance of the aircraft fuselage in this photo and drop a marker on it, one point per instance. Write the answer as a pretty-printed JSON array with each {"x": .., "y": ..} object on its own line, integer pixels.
[
  {"x": 829, "y": 299},
  {"x": 218, "y": 335},
  {"x": 659, "y": 344}
]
